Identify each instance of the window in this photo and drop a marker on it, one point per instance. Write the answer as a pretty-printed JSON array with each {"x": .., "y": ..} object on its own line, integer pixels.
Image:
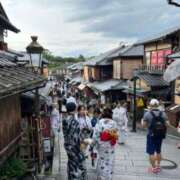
[
  {"x": 159, "y": 57},
  {"x": 148, "y": 58}
]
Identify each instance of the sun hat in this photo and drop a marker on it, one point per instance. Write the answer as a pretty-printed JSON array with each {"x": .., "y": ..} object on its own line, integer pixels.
[{"x": 154, "y": 103}]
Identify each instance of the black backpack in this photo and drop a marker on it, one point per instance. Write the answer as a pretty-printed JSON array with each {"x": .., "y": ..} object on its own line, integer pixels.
[{"x": 158, "y": 126}]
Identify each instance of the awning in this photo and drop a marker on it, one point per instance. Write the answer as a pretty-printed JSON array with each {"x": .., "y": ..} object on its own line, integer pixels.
[
  {"x": 121, "y": 85},
  {"x": 163, "y": 93},
  {"x": 139, "y": 92},
  {"x": 103, "y": 86},
  {"x": 76, "y": 80},
  {"x": 153, "y": 79},
  {"x": 81, "y": 87}
]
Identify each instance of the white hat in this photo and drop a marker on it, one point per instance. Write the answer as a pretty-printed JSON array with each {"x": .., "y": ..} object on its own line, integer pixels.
[{"x": 154, "y": 103}]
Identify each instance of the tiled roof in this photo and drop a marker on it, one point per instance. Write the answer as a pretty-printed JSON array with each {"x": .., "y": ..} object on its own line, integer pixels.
[
  {"x": 102, "y": 59},
  {"x": 14, "y": 79},
  {"x": 123, "y": 51},
  {"x": 5, "y": 62},
  {"x": 160, "y": 36},
  {"x": 4, "y": 21},
  {"x": 153, "y": 80},
  {"x": 9, "y": 56},
  {"x": 129, "y": 51},
  {"x": 76, "y": 66},
  {"x": 121, "y": 85},
  {"x": 103, "y": 85},
  {"x": 76, "y": 79}
]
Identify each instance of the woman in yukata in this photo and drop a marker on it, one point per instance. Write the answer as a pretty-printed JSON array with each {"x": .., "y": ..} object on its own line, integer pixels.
[
  {"x": 121, "y": 118},
  {"x": 85, "y": 131},
  {"x": 84, "y": 122},
  {"x": 72, "y": 143},
  {"x": 105, "y": 137}
]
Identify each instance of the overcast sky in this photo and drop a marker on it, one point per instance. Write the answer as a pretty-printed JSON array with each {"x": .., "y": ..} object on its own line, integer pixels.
[{"x": 89, "y": 27}]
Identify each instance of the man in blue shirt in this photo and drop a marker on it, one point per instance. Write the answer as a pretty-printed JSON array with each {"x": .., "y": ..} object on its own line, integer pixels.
[{"x": 156, "y": 121}]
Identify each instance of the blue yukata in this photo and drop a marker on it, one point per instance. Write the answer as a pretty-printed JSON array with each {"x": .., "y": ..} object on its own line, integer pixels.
[{"x": 72, "y": 139}]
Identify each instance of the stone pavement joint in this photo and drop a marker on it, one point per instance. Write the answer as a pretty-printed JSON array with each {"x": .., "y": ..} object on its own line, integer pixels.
[{"x": 131, "y": 161}]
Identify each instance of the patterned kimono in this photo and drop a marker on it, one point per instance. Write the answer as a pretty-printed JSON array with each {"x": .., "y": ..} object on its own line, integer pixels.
[
  {"x": 105, "y": 150},
  {"x": 72, "y": 140}
]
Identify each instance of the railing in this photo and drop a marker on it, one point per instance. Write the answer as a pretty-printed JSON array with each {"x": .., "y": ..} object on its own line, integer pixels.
[{"x": 159, "y": 69}]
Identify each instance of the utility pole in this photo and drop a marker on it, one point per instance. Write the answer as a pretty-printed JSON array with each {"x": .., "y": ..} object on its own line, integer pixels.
[{"x": 134, "y": 108}]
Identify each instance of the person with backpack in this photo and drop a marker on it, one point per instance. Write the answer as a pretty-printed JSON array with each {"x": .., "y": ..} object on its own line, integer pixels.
[{"x": 156, "y": 122}]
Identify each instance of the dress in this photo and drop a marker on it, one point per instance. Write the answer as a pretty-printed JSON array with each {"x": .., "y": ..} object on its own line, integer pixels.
[
  {"x": 106, "y": 151},
  {"x": 55, "y": 121},
  {"x": 72, "y": 139},
  {"x": 120, "y": 116}
]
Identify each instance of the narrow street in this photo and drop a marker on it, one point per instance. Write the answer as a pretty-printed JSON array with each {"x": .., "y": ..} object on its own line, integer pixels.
[
  {"x": 131, "y": 162},
  {"x": 92, "y": 76}
]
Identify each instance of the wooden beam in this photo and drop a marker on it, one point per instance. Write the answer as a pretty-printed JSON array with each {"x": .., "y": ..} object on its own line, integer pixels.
[
  {"x": 171, "y": 2},
  {"x": 13, "y": 142}
]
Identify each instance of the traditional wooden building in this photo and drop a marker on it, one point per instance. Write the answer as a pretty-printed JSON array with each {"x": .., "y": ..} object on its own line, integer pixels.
[
  {"x": 126, "y": 60},
  {"x": 156, "y": 52},
  {"x": 13, "y": 81},
  {"x": 172, "y": 74},
  {"x": 159, "y": 46},
  {"x": 98, "y": 77},
  {"x": 5, "y": 25},
  {"x": 99, "y": 68}
]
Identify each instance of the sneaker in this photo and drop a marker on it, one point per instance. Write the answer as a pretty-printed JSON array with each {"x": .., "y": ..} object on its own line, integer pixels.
[
  {"x": 158, "y": 169},
  {"x": 152, "y": 170}
]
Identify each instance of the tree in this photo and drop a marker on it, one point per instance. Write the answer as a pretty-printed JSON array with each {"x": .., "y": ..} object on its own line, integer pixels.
[
  {"x": 174, "y": 3},
  {"x": 81, "y": 58}
]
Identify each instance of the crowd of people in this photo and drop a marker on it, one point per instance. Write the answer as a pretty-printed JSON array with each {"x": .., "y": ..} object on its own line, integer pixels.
[{"x": 96, "y": 130}]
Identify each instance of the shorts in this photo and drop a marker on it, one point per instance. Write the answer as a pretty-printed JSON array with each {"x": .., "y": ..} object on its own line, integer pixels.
[{"x": 153, "y": 145}]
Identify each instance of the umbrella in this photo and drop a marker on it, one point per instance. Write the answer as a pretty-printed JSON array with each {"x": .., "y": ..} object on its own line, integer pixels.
[{"x": 173, "y": 71}]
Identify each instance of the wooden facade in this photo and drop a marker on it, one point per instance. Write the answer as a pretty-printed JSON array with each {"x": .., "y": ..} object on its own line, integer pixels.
[
  {"x": 177, "y": 91},
  {"x": 10, "y": 121},
  {"x": 97, "y": 73},
  {"x": 123, "y": 67},
  {"x": 156, "y": 52}
]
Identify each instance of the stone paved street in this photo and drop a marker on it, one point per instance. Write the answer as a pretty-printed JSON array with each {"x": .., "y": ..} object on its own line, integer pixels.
[{"x": 131, "y": 162}]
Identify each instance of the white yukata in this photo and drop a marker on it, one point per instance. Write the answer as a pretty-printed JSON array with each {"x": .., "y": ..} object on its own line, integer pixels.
[
  {"x": 120, "y": 116},
  {"x": 106, "y": 151},
  {"x": 55, "y": 121}
]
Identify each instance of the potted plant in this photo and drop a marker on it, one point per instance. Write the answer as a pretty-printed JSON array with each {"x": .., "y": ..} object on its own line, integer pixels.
[{"x": 13, "y": 169}]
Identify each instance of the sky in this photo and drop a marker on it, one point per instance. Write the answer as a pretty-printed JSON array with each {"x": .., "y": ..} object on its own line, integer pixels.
[{"x": 88, "y": 27}]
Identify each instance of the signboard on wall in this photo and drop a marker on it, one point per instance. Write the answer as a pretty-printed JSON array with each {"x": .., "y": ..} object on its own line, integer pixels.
[{"x": 47, "y": 145}]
